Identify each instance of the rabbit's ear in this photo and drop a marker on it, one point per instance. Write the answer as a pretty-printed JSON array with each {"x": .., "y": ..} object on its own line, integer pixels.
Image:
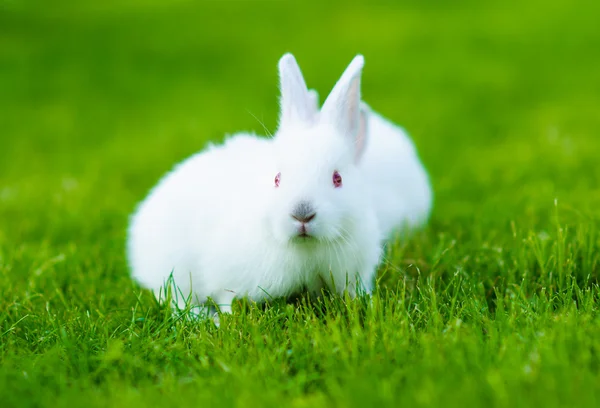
[
  {"x": 363, "y": 127},
  {"x": 296, "y": 103},
  {"x": 342, "y": 108}
]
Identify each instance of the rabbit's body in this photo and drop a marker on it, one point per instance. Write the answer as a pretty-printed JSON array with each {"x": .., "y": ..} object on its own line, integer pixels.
[
  {"x": 192, "y": 208},
  {"x": 401, "y": 189}
]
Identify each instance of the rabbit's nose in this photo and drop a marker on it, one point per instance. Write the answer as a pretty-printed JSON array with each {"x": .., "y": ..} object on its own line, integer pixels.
[
  {"x": 304, "y": 212},
  {"x": 306, "y": 219}
]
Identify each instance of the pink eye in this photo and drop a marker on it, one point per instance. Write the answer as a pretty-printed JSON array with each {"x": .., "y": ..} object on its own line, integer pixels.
[
  {"x": 337, "y": 179},
  {"x": 277, "y": 179}
]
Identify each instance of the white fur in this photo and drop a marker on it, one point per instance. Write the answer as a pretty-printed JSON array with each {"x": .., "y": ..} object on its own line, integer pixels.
[
  {"x": 221, "y": 227},
  {"x": 401, "y": 190}
]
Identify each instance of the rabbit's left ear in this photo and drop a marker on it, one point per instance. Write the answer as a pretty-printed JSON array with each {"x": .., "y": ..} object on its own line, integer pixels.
[
  {"x": 342, "y": 108},
  {"x": 297, "y": 104}
]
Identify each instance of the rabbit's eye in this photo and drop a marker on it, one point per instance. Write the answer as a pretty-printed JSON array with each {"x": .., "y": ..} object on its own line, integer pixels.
[
  {"x": 337, "y": 179},
  {"x": 277, "y": 179}
]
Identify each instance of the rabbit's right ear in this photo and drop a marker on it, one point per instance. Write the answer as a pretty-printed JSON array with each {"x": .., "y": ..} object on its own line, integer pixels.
[
  {"x": 342, "y": 108},
  {"x": 297, "y": 104}
]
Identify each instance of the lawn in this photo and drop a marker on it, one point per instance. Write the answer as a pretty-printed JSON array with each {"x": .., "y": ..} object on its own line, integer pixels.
[{"x": 495, "y": 303}]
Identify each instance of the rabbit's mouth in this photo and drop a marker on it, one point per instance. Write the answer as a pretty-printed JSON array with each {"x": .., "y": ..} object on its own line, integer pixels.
[
  {"x": 303, "y": 232},
  {"x": 303, "y": 236}
]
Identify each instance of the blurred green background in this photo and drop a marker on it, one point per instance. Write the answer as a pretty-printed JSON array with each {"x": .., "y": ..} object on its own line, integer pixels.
[
  {"x": 501, "y": 97},
  {"x": 99, "y": 99}
]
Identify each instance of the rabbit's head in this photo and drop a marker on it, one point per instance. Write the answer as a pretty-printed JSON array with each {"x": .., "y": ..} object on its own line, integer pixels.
[{"x": 318, "y": 194}]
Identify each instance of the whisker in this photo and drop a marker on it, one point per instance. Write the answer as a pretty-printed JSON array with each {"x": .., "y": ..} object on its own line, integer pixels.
[{"x": 261, "y": 123}]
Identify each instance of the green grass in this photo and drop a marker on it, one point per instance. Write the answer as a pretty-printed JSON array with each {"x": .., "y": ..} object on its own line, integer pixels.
[{"x": 494, "y": 304}]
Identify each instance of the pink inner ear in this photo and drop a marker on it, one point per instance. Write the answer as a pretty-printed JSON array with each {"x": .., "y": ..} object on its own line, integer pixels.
[{"x": 361, "y": 136}]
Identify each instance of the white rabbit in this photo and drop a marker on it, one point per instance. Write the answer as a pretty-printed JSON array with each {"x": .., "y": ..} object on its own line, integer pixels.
[
  {"x": 402, "y": 193},
  {"x": 267, "y": 217}
]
